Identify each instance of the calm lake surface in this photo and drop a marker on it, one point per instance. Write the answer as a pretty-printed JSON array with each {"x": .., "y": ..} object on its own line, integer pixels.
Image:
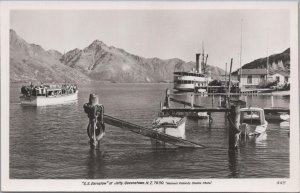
[{"x": 51, "y": 142}]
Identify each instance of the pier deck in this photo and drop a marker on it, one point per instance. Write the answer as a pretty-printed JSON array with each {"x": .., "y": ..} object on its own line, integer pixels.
[{"x": 193, "y": 108}]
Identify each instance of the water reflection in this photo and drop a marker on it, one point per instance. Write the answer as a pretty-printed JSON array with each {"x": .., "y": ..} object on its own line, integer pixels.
[
  {"x": 260, "y": 140},
  {"x": 95, "y": 164},
  {"x": 233, "y": 164},
  {"x": 285, "y": 125}
]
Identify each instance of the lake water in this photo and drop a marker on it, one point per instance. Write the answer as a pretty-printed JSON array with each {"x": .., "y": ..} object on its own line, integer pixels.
[{"x": 51, "y": 142}]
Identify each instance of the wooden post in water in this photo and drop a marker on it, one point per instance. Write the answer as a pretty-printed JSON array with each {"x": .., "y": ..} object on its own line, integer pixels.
[
  {"x": 234, "y": 125},
  {"x": 229, "y": 86},
  {"x": 96, "y": 127},
  {"x": 212, "y": 100},
  {"x": 167, "y": 99},
  {"x": 93, "y": 100},
  {"x": 226, "y": 74},
  {"x": 192, "y": 100},
  {"x": 272, "y": 101}
]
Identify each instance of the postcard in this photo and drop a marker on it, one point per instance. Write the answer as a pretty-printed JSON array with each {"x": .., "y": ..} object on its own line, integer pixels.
[{"x": 149, "y": 96}]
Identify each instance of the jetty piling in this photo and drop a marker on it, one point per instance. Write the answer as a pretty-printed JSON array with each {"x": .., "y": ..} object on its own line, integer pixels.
[
  {"x": 167, "y": 98},
  {"x": 96, "y": 127},
  {"x": 272, "y": 101},
  {"x": 234, "y": 124},
  {"x": 192, "y": 100},
  {"x": 212, "y": 100},
  {"x": 229, "y": 86}
]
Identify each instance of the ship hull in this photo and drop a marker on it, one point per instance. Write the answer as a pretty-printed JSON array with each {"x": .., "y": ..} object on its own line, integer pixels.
[
  {"x": 49, "y": 100},
  {"x": 184, "y": 87}
]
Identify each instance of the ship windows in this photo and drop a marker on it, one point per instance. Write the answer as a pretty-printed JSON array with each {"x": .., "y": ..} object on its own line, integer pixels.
[{"x": 184, "y": 82}]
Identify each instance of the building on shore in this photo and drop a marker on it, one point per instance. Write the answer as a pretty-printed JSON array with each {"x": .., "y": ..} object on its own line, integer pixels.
[
  {"x": 280, "y": 76},
  {"x": 251, "y": 78}
]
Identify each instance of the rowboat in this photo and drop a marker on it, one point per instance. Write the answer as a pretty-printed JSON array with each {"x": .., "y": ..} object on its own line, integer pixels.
[
  {"x": 277, "y": 116},
  {"x": 170, "y": 125}
]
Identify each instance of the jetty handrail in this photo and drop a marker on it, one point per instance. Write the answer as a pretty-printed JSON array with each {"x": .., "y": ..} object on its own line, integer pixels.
[
  {"x": 224, "y": 94},
  {"x": 150, "y": 132},
  {"x": 219, "y": 109},
  {"x": 185, "y": 103},
  {"x": 206, "y": 109}
]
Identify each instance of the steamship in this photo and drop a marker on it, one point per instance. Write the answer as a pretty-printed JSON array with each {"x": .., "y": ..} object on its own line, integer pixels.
[{"x": 195, "y": 80}]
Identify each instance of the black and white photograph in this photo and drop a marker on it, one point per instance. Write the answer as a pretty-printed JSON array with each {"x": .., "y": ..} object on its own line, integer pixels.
[{"x": 149, "y": 96}]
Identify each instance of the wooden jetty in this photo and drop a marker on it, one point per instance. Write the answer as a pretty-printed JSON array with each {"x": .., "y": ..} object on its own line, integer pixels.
[
  {"x": 277, "y": 110},
  {"x": 185, "y": 103},
  {"x": 224, "y": 105}
]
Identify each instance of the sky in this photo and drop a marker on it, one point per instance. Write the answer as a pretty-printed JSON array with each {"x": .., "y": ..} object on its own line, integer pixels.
[{"x": 161, "y": 33}]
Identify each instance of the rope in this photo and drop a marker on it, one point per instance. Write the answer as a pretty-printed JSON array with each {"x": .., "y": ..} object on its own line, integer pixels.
[{"x": 232, "y": 123}]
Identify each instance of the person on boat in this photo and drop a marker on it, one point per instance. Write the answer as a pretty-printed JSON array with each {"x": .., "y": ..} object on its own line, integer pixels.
[
  {"x": 44, "y": 91},
  {"x": 33, "y": 91},
  {"x": 71, "y": 89},
  {"x": 39, "y": 90}
]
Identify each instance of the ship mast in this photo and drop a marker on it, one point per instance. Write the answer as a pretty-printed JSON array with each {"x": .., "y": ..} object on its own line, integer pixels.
[
  {"x": 202, "y": 62},
  {"x": 267, "y": 54},
  {"x": 241, "y": 48}
]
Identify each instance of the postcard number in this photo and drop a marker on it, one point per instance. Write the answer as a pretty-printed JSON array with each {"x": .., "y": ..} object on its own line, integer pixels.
[{"x": 281, "y": 182}]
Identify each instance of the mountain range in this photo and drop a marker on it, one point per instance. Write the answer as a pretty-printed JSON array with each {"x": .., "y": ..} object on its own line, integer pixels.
[
  {"x": 100, "y": 62},
  {"x": 30, "y": 62}
]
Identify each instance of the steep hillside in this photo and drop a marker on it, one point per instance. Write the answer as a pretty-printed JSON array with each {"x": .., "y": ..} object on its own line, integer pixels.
[
  {"x": 55, "y": 54},
  {"x": 30, "y": 62},
  {"x": 277, "y": 62}
]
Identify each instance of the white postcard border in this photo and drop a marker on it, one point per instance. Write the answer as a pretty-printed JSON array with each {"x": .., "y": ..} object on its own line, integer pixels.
[{"x": 224, "y": 185}]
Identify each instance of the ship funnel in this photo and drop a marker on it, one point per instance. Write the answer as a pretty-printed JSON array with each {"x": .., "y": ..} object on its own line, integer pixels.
[{"x": 198, "y": 67}]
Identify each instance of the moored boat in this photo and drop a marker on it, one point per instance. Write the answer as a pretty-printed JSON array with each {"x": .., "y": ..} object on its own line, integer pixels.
[
  {"x": 48, "y": 94},
  {"x": 190, "y": 81},
  {"x": 277, "y": 116},
  {"x": 195, "y": 80},
  {"x": 170, "y": 125},
  {"x": 253, "y": 121},
  {"x": 198, "y": 115}
]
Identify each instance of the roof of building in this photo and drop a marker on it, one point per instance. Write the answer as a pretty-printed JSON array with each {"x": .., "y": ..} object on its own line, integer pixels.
[
  {"x": 280, "y": 72},
  {"x": 254, "y": 71}
]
